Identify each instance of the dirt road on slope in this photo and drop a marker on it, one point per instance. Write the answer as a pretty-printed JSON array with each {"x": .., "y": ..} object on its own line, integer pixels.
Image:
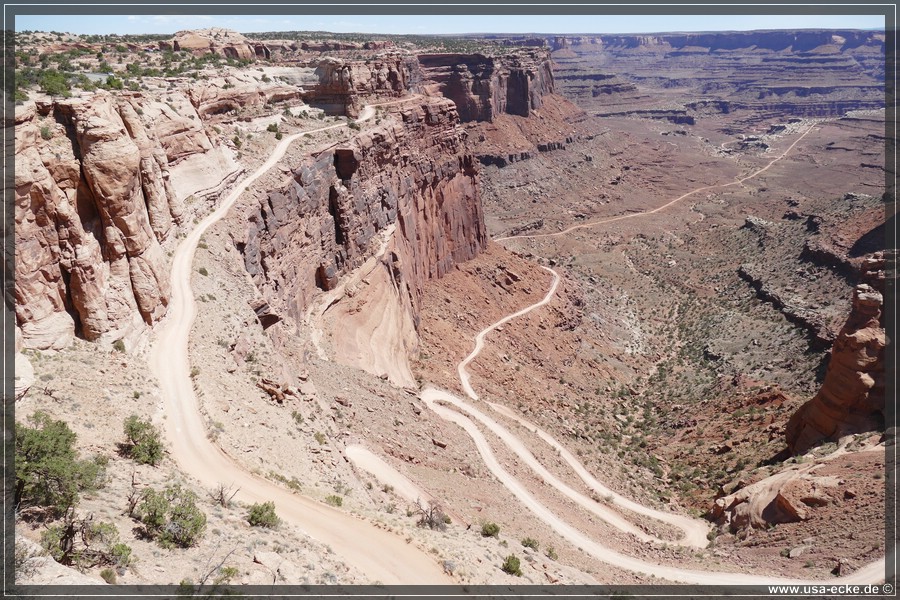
[
  {"x": 871, "y": 573},
  {"x": 381, "y": 556}
]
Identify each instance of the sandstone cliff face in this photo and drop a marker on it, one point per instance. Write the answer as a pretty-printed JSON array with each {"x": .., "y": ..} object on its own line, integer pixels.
[
  {"x": 93, "y": 204},
  {"x": 415, "y": 174},
  {"x": 851, "y": 399},
  {"x": 483, "y": 87},
  {"x": 344, "y": 85}
]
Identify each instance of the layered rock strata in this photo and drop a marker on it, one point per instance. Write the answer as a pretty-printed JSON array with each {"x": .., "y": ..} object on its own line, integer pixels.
[
  {"x": 851, "y": 399},
  {"x": 94, "y": 202},
  {"x": 486, "y": 86},
  {"x": 414, "y": 173},
  {"x": 805, "y": 73},
  {"x": 343, "y": 86}
]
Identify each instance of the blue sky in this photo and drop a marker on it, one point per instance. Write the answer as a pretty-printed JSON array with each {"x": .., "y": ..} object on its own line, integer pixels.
[{"x": 423, "y": 24}]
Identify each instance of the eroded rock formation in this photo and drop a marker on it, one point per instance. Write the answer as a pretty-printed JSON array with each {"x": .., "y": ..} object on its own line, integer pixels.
[
  {"x": 415, "y": 174},
  {"x": 216, "y": 40},
  {"x": 851, "y": 399},
  {"x": 485, "y": 86},
  {"x": 93, "y": 204},
  {"x": 344, "y": 85}
]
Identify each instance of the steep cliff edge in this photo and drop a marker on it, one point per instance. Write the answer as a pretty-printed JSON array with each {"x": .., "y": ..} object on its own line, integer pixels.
[
  {"x": 343, "y": 86},
  {"x": 486, "y": 86},
  {"x": 851, "y": 399},
  {"x": 413, "y": 172}
]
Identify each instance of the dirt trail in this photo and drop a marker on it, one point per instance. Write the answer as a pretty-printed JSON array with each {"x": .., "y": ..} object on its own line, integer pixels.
[
  {"x": 381, "y": 556},
  {"x": 705, "y": 188},
  {"x": 871, "y": 573}
]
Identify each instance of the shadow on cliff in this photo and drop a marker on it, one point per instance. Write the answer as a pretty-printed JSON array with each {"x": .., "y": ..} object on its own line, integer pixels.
[{"x": 875, "y": 239}]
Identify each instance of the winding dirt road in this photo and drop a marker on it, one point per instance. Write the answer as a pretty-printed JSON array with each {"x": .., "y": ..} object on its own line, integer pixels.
[
  {"x": 381, "y": 556},
  {"x": 695, "y": 531}
]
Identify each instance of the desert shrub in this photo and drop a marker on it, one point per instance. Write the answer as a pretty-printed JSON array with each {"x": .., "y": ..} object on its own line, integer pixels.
[
  {"x": 263, "y": 515},
  {"x": 144, "y": 445},
  {"x": 273, "y": 127},
  {"x": 278, "y": 135},
  {"x": 172, "y": 516},
  {"x": 334, "y": 500},
  {"x": 490, "y": 530},
  {"x": 46, "y": 134},
  {"x": 531, "y": 543},
  {"x": 512, "y": 565},
  {"x": 551, "y": 553},
  {"x": 237, "y": 141},
  {"x": 119, "y": 346},
  {"x": 48, "y": 472},
  {"x": 203, "y": 271},
  {"x": 432, "y": 516},
  {"x": 82, "y": 543},
  {"x": 108, "y": 575}
]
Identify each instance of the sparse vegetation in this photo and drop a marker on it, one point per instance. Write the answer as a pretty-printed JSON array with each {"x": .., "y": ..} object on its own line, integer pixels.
[
  {"x": 490, "y": 530},
  {"x": 512, "y": 565},
  {"x": 263, "y": 515},
  {"x": 432, "y": 516},
  {"x": 172, "y": 516},
  {"x": 334, "y": 500},
  {"x": 49, "y": 476},
  {"x": 531, "y": 543},
  {"x": 144, "y": 445}
]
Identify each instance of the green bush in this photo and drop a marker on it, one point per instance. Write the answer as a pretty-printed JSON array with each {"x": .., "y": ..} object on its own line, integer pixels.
[
  {"x": 531, "y": 543},
  {"x": 203, "y": 271},
  {"x": 46, "y": 134},
  {"x": 108, "y": 575},
  {"x": 55, "y": 83},
  {"x": 490, "y": 530},
  {"x": 273, "y": 127},
  {"x": 119, "y": 345},
  {"x": 171, "y": 517},
  {"x": 512, "y": 565},
  {"x": 278, "y": 135},
  {"x": 48, "y": 472},
  {"x": 263, "y": 515},
  {"x": 334, "y": 500},
  {"x": 237, "y": 141},
  {"x": 144, "y": 445}
]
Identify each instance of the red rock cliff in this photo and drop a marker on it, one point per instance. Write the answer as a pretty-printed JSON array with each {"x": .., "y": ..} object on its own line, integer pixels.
[
  {"x": 415, "y": 174},
  {"x": 851, "y": 399},
  {"x": 483, "y": 86}
]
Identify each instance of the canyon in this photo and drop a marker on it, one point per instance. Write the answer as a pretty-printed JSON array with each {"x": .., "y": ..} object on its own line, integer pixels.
[{"x": 711, "y": 208}]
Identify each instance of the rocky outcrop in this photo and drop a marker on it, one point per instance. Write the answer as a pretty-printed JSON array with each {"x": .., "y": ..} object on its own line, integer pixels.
[
  {"x": 93, "y": 204},
  {"x": 223, "y": 42},
  {"x": 851, "y": 399},
  {"x": 485, "y": 86},
  {"x": 223, "y": 94},
  {"x": 415, "y": 174},
  {"x": 345, "y": 85},
  {"x": 785, "y": 497}
]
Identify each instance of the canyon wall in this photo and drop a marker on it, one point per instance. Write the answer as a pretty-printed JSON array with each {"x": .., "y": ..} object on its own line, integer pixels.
[
  {"x": 94, "y": 201},
  {"x": 805, "y": 73},
  {"x": 851, "y": 399},
  {"x": 415, "y": 173},
  {"x": 486, "y": 86},
  {"x": 343, "y": 86}
]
